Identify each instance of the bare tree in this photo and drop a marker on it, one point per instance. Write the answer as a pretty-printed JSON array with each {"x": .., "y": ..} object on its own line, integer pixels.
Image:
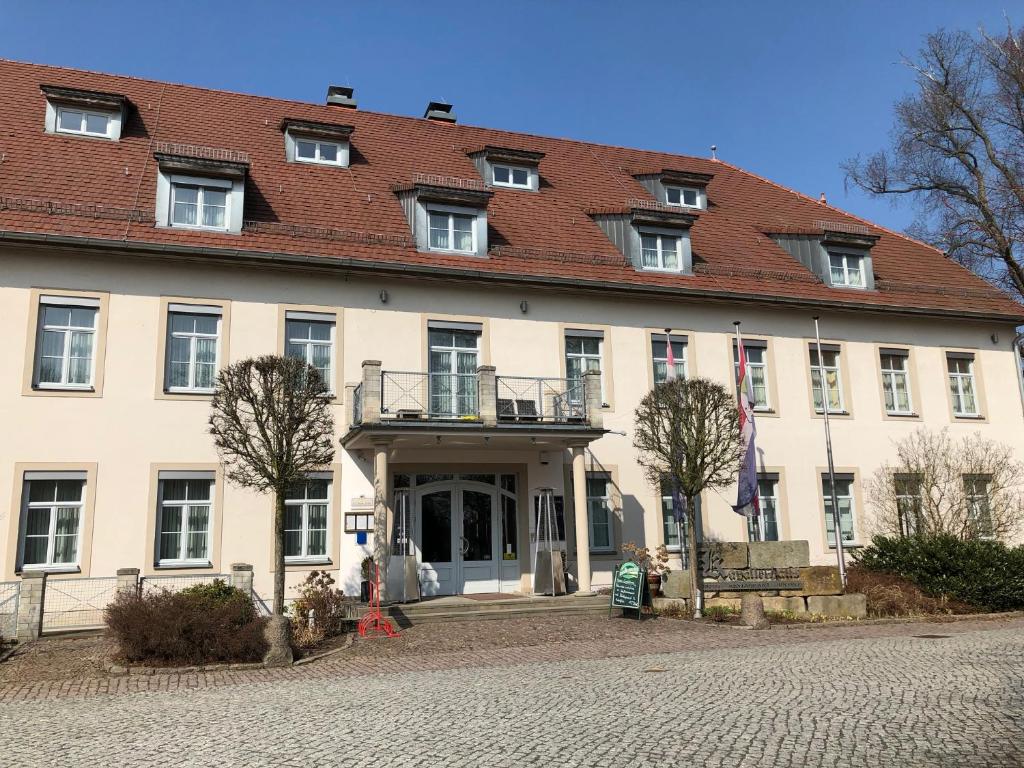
[
  {"x": 958, "y": 151},
  {"x": 687, "y": 432},
  {"x": 968, "y": 488},
  {"x": 272, "y": 424}
]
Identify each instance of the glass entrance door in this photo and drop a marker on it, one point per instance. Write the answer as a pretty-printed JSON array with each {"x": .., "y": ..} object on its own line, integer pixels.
[
  {"x": 478, "y": 560},
  {"x": 436, "y": 542}
]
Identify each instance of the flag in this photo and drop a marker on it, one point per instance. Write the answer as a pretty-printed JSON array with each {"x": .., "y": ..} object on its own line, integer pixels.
[
  {"x": 747, "y": 502},
  {"x": 670, "y": 361}
]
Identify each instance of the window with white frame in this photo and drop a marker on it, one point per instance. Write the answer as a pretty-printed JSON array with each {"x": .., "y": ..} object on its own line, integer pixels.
[
  {"x": 599, "y": 511},
  {"x": 322, "y": 152},
  {"x": 661, "y": 252},
  {"x": 979, "y": 512},
  {"x": 510, "y": 176},
  {"x": 659, "y": 353},
  {"x": 909, "y": 503},
  {"x": 844, "y": 497},
  {"x": 896, "y": 381},
  {"x": 66, "y": 343},
  {"x": 582, "y": 354},
  {"x": 669, "y": 527},
  {"x": 193, "y": 338},
  {"x": 765, "y": 526},
  {"x": 847, "y": 269},
  {"x": 51, "y": 520},
  {"x": 201, "y": 205},
  {"x": 826, "y": 370},
  {"x": 686, "y": 197},
  {"x": 84, "y": 122},
  {"x": 310, "y": 338},
  {"x": 450, "y": 231},
  {"x": 305, "y": 519},
  {"x": 757, "y": 368},
  {"x": 961, "y": 383},
  {"x": 184, "y": 518}
]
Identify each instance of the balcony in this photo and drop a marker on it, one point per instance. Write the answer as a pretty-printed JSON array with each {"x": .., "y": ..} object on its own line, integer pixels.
[{"x": 397, "y": 403}]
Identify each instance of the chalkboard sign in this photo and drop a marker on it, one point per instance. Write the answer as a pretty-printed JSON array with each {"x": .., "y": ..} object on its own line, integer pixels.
[{"x": 628, "y": 585}]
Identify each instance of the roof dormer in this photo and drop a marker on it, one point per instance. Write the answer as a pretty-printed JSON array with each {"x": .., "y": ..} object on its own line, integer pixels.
[
  {"x": 200, "y": 188},
  {"x": 677, "y": 188},
  {"x": 316, "y": 143},
  {"x": 836, "y": 251},
  {"x": 93, "y": 114},
  {"x": 506, "y": 167},
  {"x": 652, "y": 236},
  {"x": 445, "y": 214}
]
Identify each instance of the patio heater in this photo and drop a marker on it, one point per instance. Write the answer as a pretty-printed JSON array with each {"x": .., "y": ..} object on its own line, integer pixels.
[
  {"x": 402, "y": 548},
  {"x": 548, "y": 571}
]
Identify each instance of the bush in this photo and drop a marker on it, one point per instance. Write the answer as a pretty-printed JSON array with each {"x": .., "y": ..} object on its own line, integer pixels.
[
  {"x": 202, "y": 624},
  {"x": 720, "y": 613},
  {"x": 891, "y": 595},
  {"x": 986, "y": 574},
  {"x": 320, "y": 610}
]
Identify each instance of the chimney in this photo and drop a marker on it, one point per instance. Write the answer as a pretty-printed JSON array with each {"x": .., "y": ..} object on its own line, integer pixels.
[
  {"x": 822, "y": 199},
  {"x": 341, "y": 96},
  {"x": 440, "y": 111}
]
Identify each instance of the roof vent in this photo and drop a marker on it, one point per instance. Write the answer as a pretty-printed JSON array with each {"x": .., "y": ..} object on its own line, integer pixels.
[
  {"x": 341, "y": 96},
  {"x": 441, "y": 111}
]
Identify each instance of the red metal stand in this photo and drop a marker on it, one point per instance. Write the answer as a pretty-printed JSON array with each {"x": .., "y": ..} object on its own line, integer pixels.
[{"x": 374, "y": 623}]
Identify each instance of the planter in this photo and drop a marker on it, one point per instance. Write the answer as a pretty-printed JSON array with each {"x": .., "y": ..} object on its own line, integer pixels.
[{"x": 654, "y": 584}]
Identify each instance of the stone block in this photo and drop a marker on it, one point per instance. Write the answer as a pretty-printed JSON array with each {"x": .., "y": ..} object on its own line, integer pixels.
[
  {"x": 728, "y": 554},
  {"x": 752, "y": 611},
  {"x": 671, "y": 606},
  {"x": 723, "y": 602},
  {"x": 779, "y": 554},
  {"x": 676, "y": 584},
  {"x": 821, "y": 580},
  {"x": 851, "y": 606},
  {"x": 278, "y": 636},
  {"x": 785, "y": 605}
]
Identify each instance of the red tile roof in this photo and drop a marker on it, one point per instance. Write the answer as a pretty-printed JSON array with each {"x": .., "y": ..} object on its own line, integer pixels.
[{"x": 74, "y": 187}]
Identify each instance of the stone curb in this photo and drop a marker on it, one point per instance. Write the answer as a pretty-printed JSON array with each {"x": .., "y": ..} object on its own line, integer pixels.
[{"x": 935, "y": 619}]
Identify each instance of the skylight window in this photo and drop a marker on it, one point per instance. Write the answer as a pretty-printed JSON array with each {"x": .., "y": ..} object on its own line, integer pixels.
[
  {"x": 323, "y": 152},
  {"x": 511, "y": 176},
  {"x": 685, "y": 197},
  {"x": 82, "y": 122}
]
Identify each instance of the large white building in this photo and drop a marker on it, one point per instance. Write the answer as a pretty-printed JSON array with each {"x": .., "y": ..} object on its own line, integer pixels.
[{"x": 455, "y": 285}]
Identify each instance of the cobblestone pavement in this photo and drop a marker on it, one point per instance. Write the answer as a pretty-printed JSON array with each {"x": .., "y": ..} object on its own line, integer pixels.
[{"x": 844, "y": 696}]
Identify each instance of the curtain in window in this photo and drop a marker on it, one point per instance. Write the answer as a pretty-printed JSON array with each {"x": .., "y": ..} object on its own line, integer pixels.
[
  {"x": 170, "y": 532},
  {"x": 293, "y": 530},
  {"x": 186, "y": 205},
  {"x": 37, "y": 535},
  {"x": 317, "y": 534},
  {"x": 844, "y": 497},
  {"x": 214, "y": 205},
  {"x": 463, "y": 229},
  {"x": 206, "y": 363},
  {"x": 65, "y": 540}
]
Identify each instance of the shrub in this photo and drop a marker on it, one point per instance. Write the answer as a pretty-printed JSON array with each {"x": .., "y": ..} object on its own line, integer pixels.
[
  {"x": 201, "y": 624},
  {"x": 987, "y": 574},
  {"x": 720, "y": 612},
  {"x": 891, "y": 595},
  {"x": 320, "y": 610}
]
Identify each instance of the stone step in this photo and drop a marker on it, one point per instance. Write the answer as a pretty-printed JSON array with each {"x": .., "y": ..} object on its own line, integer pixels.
[
  {"x": 425, "y": 617},
  {"x": 429, "y": 611}
]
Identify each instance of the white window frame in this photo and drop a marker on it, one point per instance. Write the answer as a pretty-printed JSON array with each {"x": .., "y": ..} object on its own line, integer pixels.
[
  {"x": 956, "y": 383},
  {"x": 201, "y": 184},
  {"x": 892, "y": 375},
  {"x": 683, "y": 359},
  {"x": 847, "y": 257},
  {"x": 661, "y": 251},
  {"x": 822, "y": 369},
  {"x": 309, "y": 344},
  {"x": 904, "y": 499},
  {"x": 86, "y": 113},
  {"x": 972, "y": 499},
  {"x": 191, "y": 309},
  {"x": 49, "y": 565},
  {"x": 766, "y": 501},
  {"x": 584, "y": 356},
  {"x": 669, "y": 188},
  {"x": 766, "y": 406},
  {"x": 433, "y": 210},
  {"x": 511, "y": 172},
  {"x": 65, "y": 302},
  {"x": 318, "y": 145},
  {"x": 606, "y": 501},
  {"x": 183, "y": 561},
  {"x": 304, "y": 503},
  {"x": 827, "y": 499}
]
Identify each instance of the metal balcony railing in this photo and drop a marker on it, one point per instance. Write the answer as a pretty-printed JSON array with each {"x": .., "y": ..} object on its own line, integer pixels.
[
  {"x": 410, "y": 395},
  {"x": 527, "y": 399}
]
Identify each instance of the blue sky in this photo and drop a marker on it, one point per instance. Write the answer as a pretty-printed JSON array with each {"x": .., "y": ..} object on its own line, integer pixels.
[{"x": 785, "y": 89}]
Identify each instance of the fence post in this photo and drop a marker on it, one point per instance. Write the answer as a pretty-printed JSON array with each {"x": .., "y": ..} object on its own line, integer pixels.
[
  {"x": 127, "y": 581},
  {"x": 372, "y": 394},
  {"x": 30, "y": 606},
  {"x": 592, "y": 398},
  {"x": 241, "y": 577},
  {"x": 487, "y": 392}
]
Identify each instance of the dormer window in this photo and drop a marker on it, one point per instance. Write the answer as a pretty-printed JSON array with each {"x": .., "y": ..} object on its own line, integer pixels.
[
  {"x": 686, "y": 197},
  {"x": 197, "y": 192},
  {"x": 316, "y": 143},
  {"x": 200, "y": 203},
  {"x": 847, "y": 269},
  {"x": 446, "y": 214},
  {"x": 451, "y": 230},
  {"x": 838, "y": 252},
  {"x": 511, "y": 176},
  {"x": 661, "y": 252},
  {"x": 94, "y": 114}
]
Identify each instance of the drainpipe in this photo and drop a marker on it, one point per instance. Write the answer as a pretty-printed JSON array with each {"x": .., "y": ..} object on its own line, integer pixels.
[{"x": 1018, "y": 341}]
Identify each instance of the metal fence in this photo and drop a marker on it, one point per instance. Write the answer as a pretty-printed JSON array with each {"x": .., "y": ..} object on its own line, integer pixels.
[
  {"x": 76, "y": 603},
  {"x": 178, "y": 583},
  {"x": 409, "y": 395},
  {"x": 522, "y": 398},
  {"x": 9, "y": 592}
]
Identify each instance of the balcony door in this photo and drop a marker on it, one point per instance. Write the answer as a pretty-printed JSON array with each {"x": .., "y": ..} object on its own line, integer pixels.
[{"x": 454, "y": 355}]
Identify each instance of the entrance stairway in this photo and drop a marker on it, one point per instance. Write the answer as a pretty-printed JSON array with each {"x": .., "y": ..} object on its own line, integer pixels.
[{"x": 461, "y": 608}]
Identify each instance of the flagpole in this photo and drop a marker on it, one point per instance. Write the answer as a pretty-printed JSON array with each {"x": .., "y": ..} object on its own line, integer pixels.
[
  {"x": 669, "y": 375},
  {"x": 739, "y": 395},
  {"x": 836, "y": 522}
]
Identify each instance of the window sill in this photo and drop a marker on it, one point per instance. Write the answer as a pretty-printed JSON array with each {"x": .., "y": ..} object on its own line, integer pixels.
[
  {"x": 48, "y": 569},
  {"x": 168, "y": 565},
  {"x": 831, "y": 413},
  {"x": 846, "y": 545},
  {"x": 902, "y": 415},
  {"x": 307, "y": 561},
  {"x": 62, "y": 388},
  {"x": 764, "y": 409},
  {"x": 193, "y": 228},
  {"x": 969, "y": 416},
  {"x": 454, "y": 252},
  {"x": 200, "y": 392}
]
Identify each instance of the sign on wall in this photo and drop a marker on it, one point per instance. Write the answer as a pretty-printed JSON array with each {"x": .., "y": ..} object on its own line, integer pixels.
[{"x": 719, "y": 579}]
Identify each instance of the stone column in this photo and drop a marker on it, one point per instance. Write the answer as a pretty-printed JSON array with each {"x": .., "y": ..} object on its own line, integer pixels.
[
  {"x": 127, "y": 581},
  {"x": 350, "y": 404},
  {"x": 30, "y": 606},
  {"x": 371, "y": 391},
  {"x": 593, "y": 399},
  {"x": 487, "y": 387},
  {"x": 579, "y": 508},
  {"x": 241, "y": 577},
  {"x": 382, "y": 513}
]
